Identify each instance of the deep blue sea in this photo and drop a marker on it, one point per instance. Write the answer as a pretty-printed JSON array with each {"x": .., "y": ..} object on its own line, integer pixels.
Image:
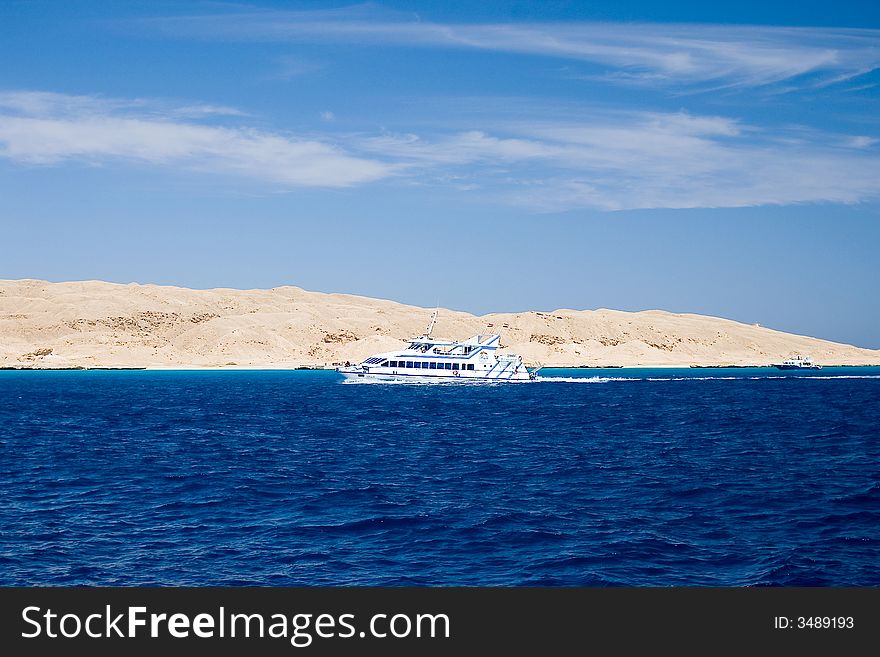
[{"x": 588, "y": 477}]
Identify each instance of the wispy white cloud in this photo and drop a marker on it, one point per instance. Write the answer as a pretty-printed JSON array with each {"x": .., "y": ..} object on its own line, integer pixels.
[
  {"x": 200, "y": 111},
  {"x": 748, "y": 178},
  {"x": 461, "y": 148},
  {"x": 47, "y": 103},
  {"x": 860, "y": 141},
  {"x": 637, "y": 160},
  {"x": 40, "y": 128},
  {"x": 289, "y": 67},
  {"x": 635, "y": 53},
  {"x": 595, "y": 158}
]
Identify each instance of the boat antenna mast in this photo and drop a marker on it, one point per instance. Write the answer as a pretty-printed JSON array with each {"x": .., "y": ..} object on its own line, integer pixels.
[{"x": 433, "y": 321}]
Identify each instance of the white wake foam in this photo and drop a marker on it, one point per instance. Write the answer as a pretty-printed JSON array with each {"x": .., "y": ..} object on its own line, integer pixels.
[
  {"x": 594, "y": 379},
  {"x": 607, "y": 379}
]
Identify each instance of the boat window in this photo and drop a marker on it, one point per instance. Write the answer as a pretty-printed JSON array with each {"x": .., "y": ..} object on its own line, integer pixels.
[
  {"x": 448, "y": 366},
  {"x": 455, "y": 366},
  {"x": 470, "y": 366},
  {"x": 393, "y": 363},
  {"x": 409, "y": 363},
  {"x": 432, "y": 366}
]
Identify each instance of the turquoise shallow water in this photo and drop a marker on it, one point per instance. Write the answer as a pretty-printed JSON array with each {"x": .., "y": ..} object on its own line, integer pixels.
[{"x": 657, "y": 476}]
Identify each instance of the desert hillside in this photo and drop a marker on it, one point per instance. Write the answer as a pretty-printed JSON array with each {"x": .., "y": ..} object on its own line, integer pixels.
[{"x": 96, "y": 324}]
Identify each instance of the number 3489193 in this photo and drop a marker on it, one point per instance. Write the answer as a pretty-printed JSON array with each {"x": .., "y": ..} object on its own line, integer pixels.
[{"x": 825, "y": 622}]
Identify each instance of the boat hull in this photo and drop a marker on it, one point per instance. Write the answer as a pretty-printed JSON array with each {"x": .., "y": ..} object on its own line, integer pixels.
[{"x": 798, "y": 367}]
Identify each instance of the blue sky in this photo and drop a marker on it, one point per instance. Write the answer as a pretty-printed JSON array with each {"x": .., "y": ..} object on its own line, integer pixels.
[{"x": 719, "y": 158}]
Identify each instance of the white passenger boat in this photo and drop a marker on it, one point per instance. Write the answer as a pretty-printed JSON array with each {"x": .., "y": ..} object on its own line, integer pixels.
[
  {"x": 797, "y": 363},
  {"x": 430, "y": 359}
]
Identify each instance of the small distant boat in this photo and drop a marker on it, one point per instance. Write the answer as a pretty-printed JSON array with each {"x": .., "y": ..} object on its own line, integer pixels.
[
  {"x": 429, "y": 359},
  {"x": 797, "y": 362}
]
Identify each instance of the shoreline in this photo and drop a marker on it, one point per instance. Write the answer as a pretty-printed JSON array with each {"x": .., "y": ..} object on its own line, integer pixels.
[{"x": 263, "y": 368}]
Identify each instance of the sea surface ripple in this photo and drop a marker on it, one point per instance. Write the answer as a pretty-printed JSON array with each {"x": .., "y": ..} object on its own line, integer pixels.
[{"x": 660, "y": 477}]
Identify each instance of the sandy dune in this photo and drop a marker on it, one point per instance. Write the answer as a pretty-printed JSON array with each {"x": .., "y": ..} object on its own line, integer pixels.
[{"x": 97, "y": 324}]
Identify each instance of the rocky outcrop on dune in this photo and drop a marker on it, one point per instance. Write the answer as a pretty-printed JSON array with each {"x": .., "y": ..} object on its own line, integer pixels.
[{"x": 97, "y": 324}]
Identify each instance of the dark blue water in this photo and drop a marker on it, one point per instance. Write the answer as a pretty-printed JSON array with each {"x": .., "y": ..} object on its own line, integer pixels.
[{"x": 700, "y": 477}]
